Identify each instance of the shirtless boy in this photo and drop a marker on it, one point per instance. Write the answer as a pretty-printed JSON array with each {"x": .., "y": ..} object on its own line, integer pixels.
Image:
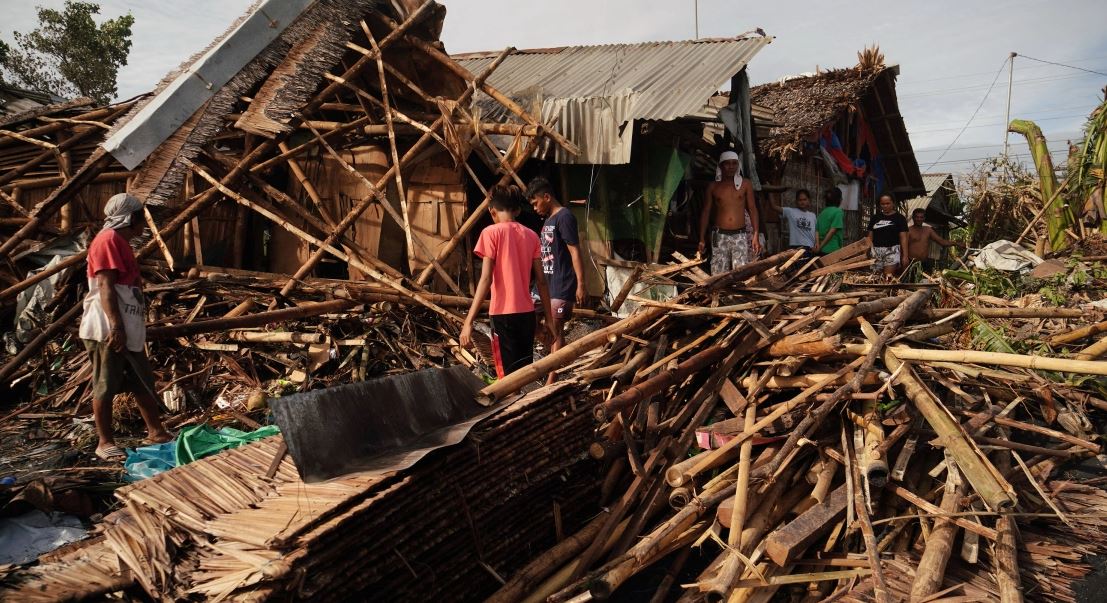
[
  {"x": 919, "y": 236},
  {"x": 729, "y": 202}
]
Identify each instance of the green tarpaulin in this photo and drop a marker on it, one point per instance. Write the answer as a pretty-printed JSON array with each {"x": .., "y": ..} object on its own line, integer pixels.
[{"x": 200, "y": 441}]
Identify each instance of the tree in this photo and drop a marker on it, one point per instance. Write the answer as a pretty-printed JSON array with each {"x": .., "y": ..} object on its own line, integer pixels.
[{"x": 68, "y": 54}]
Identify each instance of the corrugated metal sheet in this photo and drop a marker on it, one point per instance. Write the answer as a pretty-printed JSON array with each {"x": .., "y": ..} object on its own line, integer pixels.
[
  {"x": 591, "y": 93},
  {"x": 175, "y": 104}
]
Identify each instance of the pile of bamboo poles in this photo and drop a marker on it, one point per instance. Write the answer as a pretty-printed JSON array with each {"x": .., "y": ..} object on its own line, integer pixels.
[{"x": 777, "y": 431}]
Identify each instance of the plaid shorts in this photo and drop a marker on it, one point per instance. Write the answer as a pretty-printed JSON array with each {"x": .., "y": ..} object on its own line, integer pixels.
[{"x": 113, "y": 373}]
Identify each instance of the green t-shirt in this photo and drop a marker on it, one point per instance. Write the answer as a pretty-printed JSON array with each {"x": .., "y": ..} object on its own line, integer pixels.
[{"x": 830, "y": 217}]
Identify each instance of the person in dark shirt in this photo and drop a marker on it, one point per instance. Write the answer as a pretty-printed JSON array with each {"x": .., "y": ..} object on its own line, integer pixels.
[
  {"x": 561, "y": 260},
  {"x": 888, "y": 237}
]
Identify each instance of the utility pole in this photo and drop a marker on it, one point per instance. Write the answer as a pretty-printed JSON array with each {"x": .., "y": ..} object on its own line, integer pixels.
[
  {"x": 697, "y": 14},
  {"x": 1010, "y": 83}
]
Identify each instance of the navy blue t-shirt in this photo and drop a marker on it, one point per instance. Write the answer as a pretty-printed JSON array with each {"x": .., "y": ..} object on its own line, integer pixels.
[{"x": 558, "y": 231}]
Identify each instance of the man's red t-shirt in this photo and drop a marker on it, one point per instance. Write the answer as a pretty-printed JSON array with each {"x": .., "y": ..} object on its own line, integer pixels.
[
  {"x": 110, "y": 251},
  {"x": 513, "y": 247}
]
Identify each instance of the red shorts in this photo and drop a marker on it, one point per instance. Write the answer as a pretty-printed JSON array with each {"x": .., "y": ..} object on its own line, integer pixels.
[{"x": 562, "y": 309}]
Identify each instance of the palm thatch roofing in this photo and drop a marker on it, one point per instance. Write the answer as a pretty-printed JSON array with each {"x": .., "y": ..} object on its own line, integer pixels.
[{"x": 803, "y": 106}]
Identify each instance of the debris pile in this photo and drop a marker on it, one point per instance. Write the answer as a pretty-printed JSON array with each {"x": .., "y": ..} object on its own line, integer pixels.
[{"x": 777, "y": 429}]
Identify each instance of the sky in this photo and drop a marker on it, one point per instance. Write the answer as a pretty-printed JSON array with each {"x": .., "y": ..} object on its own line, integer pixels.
[{"x": 949, "y": 52}]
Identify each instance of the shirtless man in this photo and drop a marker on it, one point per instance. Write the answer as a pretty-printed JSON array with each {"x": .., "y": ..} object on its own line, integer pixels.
[
  {"x": 729, "y": 203},
  {"x": 919, "y": 236}
]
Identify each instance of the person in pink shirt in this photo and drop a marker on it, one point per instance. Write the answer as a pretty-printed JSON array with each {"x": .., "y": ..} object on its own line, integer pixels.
[{"x": 511, "y": 256}]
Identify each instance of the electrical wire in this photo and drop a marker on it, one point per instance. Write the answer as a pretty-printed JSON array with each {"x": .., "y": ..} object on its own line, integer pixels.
[
  {"x": 1063, "y": 65},
  {"x": 974, "y": 113}
]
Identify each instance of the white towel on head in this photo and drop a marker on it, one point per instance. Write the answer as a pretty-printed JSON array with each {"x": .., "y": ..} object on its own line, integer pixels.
[
  {"x": 118, "y": 211},
  {"x": 729, "y": 156}
]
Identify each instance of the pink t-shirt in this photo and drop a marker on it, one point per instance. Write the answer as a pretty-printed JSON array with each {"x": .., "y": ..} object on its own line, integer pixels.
[
  {"x": 110, "y": 251},
  {"x": 513, "y": 247}
]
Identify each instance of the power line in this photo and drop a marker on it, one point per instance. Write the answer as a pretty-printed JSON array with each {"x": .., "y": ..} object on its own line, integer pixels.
[
  {"x": 988, "y": 146},
  {"x": 997, "y": 123},
  {"x": 1029, "y": 81},
  {"x": 1063, "y": 65},
  {"x": 969, "y": 159},
  {"x": 907, "y": 79},
  {"x": 978, "y": 107},
  {"x": 1085, "y": 109}
]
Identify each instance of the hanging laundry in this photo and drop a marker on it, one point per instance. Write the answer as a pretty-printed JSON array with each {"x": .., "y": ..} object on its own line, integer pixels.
[{"x": 851, "y": 195}]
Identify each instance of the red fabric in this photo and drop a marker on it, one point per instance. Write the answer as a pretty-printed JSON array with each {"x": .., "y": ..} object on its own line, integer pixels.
[
  {"x": 110, "y": 251},
  {"x": 497, "y": 359},
  {"x": 513, "y": 249}
]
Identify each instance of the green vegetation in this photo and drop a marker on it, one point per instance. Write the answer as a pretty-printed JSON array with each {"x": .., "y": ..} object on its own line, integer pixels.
[{"x": 68, "y": 54}]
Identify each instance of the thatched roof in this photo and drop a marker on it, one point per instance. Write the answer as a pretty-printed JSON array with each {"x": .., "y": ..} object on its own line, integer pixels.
[{"x": 804, "y": 105}]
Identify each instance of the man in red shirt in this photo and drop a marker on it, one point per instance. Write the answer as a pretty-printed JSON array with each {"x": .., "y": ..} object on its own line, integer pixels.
[
  {"x": 510, "y": 254},
  {"x": 113, "y": 326}
]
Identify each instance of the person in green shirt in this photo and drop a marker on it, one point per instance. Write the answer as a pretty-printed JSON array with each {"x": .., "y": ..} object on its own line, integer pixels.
[{"x": 828, "y": 226}]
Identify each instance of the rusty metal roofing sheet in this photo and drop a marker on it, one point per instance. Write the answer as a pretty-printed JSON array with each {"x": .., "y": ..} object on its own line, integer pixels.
[{"x": 592, "y": 92}]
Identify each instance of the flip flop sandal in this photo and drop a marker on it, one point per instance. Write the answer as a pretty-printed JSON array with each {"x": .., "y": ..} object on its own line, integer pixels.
[
  {"x": 151, "y": 441},
  {"x": 111, "y": 454}
]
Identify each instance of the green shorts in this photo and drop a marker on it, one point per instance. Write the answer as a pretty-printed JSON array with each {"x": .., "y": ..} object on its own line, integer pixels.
[{"x": 113, "y": 373}]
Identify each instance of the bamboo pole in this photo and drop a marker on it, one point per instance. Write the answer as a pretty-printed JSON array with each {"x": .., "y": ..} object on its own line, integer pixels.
[
  {"x": 1064, "y": 365},
  {"x": 530, "y": 576},
  {"x": 305, "y": 183},
  {"x": 1078, "y": 334},
  {"x": 325, "y": 246},
  {"x": 476, "y": 82},
  {"x": 392, "y": 141},
  {"x": 474, "y": 217},
  {"x": 259, "y": 319},
  {"x": 932, "y": 566},
  {"x": 661, "y": 381},
  {"x": 1007, "y": 560},
  {"x": 1093, "y": 351},
  {"x": 985, "y": 480}
]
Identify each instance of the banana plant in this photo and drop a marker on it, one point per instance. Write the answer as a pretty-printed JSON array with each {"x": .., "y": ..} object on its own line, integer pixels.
[{"x": 1059, "y": 215}]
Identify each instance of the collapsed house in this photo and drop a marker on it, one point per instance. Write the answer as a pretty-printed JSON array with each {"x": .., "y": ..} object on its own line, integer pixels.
[
  {"x": 293, "y": 147},
  {"x": 839, "y": 128},
  {"x": 638, "y": 113}
]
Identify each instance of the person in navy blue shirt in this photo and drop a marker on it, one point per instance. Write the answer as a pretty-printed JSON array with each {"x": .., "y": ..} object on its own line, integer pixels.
[{"x": 561, "y": 261}]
